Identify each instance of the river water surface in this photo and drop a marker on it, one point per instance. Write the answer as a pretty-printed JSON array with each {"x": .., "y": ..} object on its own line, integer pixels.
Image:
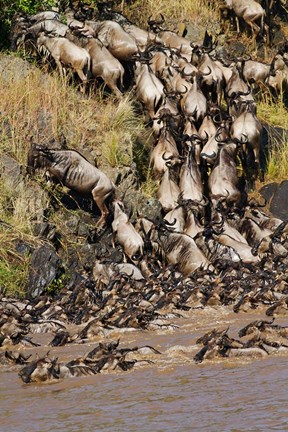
[{"x": 172, "y": 394}]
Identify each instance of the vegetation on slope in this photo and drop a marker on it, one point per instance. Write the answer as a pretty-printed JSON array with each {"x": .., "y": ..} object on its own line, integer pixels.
[{"x": 44, "y": 109}]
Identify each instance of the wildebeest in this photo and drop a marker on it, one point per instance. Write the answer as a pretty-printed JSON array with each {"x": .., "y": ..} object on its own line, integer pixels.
[
  {"x": 252, "y": 13},
  {"x": 125, "y": 232},
  {"x": 66, "y": 53},
  {"x": 74, "y": 171}
]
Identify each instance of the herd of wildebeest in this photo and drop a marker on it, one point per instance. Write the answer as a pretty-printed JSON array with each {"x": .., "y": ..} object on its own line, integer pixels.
[{"x": 213, "y": 246}]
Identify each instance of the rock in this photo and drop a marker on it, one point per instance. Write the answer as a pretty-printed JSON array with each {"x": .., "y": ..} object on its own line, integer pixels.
[
  {"x": 236, "y": 48},
  {"x": 87, "y": 253},
  {"x": 44, "y": 267},
  {"x": 41, "y": 229},
  {"x": 195, "y": 32},
  {"x": 279, "y": 202},
  {"x": 83, "y": 230},
  {"x": 14, "y": 68},
  {"x": 137, "y": 203},
  {"x": 72, "y": 224},
  {"x": 37, "y": 201},
  {"x": 268, "y": 191},
  {"x": 23, "y": 248},
  {"x": 273, "y": 135},
  {"x": 150, "y": 208},
  {"x": 43, "y": 126},
  {"x": 28, "y": 197},
  {"x": 11, "y": 168},
  {"x": 75, "y": 279},
  {"x": 127, "y": 180}
]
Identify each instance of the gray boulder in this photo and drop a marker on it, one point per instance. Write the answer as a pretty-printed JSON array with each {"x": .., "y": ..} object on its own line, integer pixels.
[
  {"x": 45, "y": 266},
  {"x": 279, "y": 202}
]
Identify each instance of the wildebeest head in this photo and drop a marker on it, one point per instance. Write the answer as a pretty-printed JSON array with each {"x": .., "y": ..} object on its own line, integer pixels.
[
  {"x": 39, "y": 370},
  {"x": 26, "y": 372},
  {"x": 39, "y": 156}
]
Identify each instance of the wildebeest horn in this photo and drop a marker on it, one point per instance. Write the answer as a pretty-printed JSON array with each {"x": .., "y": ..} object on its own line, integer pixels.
[
  {"x": 272, "y": 71},
  {"x": 207, "y": 137},
  {"x": 217, "y": 136},
  {"x": 215, "y": 118},
  {"x": 170, "y": 223},
  {"x": 200, "y": 203},
  {"x": 154, "y": 22},
  {"x": 161, "y": 223},
  {"x": 168, "y": 158},
  {"x": 166, "y": 93},
  {"x": 194, "y": 138},
  {"x": 194, "y": 46},
  {"x": 205, "y": 74},
  {"x": 186, "y": 74}
]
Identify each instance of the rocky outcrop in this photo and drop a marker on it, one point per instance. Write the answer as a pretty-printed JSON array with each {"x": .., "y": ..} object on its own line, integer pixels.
[
  {"x": 14, "y": 68},
  {"x": 44, "y": 268},
  {"x": 276, "y": 196}
]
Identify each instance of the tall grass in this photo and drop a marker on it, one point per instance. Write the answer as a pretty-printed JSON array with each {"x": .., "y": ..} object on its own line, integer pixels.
[
  {"x": 274, "y": 112},
  {"x": 123, "y": 126},
  {"x": 196, "y": 11},
  {"x": 277, "y": 167},
  {"x": 14, "y": 251}
]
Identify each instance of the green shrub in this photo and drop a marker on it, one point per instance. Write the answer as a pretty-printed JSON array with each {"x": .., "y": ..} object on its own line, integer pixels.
[
  {"x": 12, "y": 278},
  {"x": 10, "y": 8}
]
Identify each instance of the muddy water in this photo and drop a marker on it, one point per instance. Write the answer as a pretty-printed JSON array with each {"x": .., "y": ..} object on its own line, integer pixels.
[{"x": 172, "y": 394}]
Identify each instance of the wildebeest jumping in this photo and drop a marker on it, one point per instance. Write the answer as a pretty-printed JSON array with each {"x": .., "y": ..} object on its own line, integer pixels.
[{"x": 74, "y": 171}]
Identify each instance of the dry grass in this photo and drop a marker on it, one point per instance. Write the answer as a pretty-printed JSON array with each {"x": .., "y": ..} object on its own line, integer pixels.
[
  {"x": 277, "y": 168},
  {"x": 46, "y": 108},
  {"x": 123, "y": 126},
  {"x": 16, "y": 235},
  {"x": 14, "y": 258},
  {"x": 150, "y": 186},
  {"x": 196, "y": 11},
  {"x": 274, "y": 112}
]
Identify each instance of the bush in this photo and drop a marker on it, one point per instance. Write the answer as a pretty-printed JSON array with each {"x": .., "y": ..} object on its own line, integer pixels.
[{"x": 10, "y": 8}]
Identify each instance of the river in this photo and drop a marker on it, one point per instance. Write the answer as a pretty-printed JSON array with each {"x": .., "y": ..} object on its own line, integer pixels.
[{"x": 172, "y": 394}]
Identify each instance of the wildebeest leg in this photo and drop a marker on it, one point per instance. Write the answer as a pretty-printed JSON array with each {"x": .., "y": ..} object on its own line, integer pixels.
[
  {"x": 100, "y": 194},
  {"x": 83, "y": 78},
  {"x": 259, "y": 170},
  {"x": 113, "y": 240},
  {"x": 59, "y": 66},
  {"x": 115, "y": 90},
  {"x": 255, "y": 30},
  {"x": 61, "y": 69}
]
